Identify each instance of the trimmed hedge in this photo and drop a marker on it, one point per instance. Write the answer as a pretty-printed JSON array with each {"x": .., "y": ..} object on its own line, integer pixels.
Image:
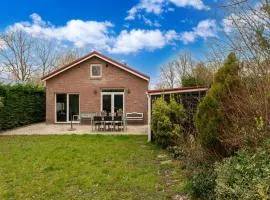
[{"x": 22, "y": 105}]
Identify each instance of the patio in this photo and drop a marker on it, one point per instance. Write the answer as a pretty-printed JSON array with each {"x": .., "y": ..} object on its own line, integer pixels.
[{"x": 59, "y": 129}]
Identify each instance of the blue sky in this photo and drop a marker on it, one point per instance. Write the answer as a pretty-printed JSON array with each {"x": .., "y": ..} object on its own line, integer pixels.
[{"x": 143, "y": 33}]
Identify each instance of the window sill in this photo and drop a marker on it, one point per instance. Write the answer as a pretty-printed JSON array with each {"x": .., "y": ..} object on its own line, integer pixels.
[{"x": 96, "y": 78}]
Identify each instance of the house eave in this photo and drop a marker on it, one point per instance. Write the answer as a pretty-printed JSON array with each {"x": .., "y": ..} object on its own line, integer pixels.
[{"x": 95, "y": 54}]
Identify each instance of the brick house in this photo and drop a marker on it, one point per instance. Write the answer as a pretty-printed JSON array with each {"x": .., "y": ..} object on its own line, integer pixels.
[{"x": 94, "y": 83}]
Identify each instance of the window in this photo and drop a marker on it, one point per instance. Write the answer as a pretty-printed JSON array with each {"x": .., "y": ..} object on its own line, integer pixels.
[{"x": 96, "y": 71}]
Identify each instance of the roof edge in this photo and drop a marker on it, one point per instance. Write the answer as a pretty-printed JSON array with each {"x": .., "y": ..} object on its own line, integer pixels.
[
  {"x": 101, "y": 56},
  {"x": 179, "y": 89}
]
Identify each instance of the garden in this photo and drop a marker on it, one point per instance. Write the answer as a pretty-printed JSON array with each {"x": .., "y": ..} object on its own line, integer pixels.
[
  {"x": 224, "y": 153},
  {"x": 226, "y": 156}
]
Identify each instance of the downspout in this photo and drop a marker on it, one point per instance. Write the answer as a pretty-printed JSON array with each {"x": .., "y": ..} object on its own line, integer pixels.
[{"x": 149, "y": 117}]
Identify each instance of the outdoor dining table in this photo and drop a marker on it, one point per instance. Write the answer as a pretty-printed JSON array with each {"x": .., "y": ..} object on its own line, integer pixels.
[{"x": 108, "y": 123}]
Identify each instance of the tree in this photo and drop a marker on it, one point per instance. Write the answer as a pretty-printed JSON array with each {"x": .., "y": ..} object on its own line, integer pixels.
[
  {"x": 185, "y": 71},
  {"x": 210, "y": 118},
  {"x": 184, "y": 64},
  {"x": 66, "y": 57},
  {"x": 27, "y": 59},
  {"x": 45, "y": 56},
  {"x": 247, "y": 33},
  {"x": 168, "y": 77},
  {"x": 172, "y": 71},
  {"x": 16, "y": 56},
  {"x": 200, "y": 76}
]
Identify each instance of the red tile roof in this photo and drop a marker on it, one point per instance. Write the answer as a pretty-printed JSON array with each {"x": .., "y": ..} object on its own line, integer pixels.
[{"x": 94, "y": 53}]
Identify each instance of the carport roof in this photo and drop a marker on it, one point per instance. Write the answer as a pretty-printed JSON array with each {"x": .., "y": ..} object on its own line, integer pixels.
[{"x": 177, "y": 90}]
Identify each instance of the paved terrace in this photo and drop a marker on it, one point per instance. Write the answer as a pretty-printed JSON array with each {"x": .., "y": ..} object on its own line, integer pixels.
[{"x": 61, "y": 129}]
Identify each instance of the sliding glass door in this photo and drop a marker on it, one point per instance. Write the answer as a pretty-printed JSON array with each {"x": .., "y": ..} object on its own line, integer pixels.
[
  {"x": 74, "y": 107},
  {"x": 67, "y": 105},
  {"x": 112, "y": 102},
  {"x": 61, "y": 107}
]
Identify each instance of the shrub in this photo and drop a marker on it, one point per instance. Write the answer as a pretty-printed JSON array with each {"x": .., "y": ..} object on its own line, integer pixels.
[
  {"x": 198, "y": 166},
  {"x": 177, "y": 113},
  {"x": 209, "y": 117},
  {"x": 167, "y": 122},
  {"x": 202, "y": 183},
  {"x": 244, "y": 176},
  {"x": 22, "y": 105}
]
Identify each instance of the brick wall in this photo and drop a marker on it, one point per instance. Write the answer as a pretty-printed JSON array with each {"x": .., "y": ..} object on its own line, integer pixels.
[{"x": 78, "y": 80}]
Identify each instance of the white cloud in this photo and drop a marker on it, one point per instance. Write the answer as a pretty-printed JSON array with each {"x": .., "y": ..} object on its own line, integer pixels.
[
  {"x": 242, "y": 20},
  {"x": 135, "y": 40},
  {"x": 2, "y": 44},
  {"x": 197, "y": 4},
  {"x": 150, "y": 23},
  {"x": 149, "y": 6},
  {"x": 37, "y": 19},
  {"x": 205, "y": 29},
  {"x": 159, "y": 6},
  {"x": 97, "y": 35},
  {"x": 171, "y": 35},
  {"x": 227, "y": 25},
  {"x": 100, "y": 36},
  {"x": 78, "y": 32},
  {"x": 188, "y": 37}
]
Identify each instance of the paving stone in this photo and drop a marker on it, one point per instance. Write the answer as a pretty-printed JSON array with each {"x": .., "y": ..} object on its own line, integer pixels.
[{"x": 166, "y": 162}]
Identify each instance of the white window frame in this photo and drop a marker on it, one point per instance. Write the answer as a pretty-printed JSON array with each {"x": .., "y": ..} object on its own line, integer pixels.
[
  {"x": 112, "y": 100},
  {"x": 67, "y": 117},
  {"x": 91, "y": 74}
]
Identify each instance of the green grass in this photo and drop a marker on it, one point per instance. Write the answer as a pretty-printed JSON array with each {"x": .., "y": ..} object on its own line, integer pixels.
[{"x": 84, "y": 167}]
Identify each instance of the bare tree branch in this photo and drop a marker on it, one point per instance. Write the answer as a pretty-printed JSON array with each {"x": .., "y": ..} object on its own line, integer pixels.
[{"x": 16, "y": 56}]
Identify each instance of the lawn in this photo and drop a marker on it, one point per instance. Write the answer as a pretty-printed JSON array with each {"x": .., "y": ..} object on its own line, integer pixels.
[{"x": 85, "y": 167}]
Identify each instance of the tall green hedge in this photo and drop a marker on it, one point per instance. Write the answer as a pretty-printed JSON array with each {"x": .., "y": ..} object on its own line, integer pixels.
[{"x": 21, "y": 105}]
